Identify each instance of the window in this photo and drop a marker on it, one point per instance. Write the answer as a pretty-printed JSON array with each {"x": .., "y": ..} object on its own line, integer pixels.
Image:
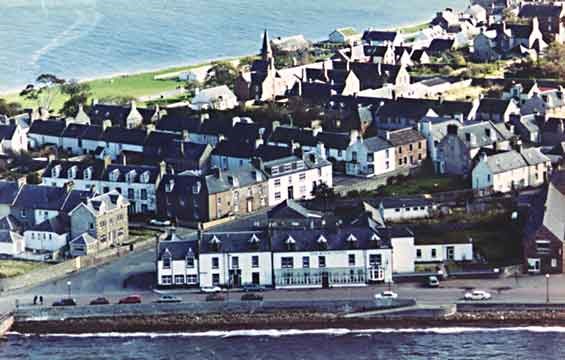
[
  {"x": 387, "y": 165},
  {"x": 434, "y": 253},
  {"x": 370, "y": 158},
  {"x": 277, "y": 182},
  {"x": 321, "y": 261},
  {"x": 23, "y": 213},
  {"x": 277, "y": 196},
  {"x": 255, "y": 261},
  {"x": 131, "y": 194},
  {"x": 190, "y": 262},
  {"x": 375, "y": 259},
  {"x": 235, "y": 262},
  {"x": 543, "y": 246},
  {"x": 166, "y": 262},
  {"x": 166, "y": 280},
  {"x": 287, "y": 262},
  {"x": 91, "y": 226},
  {"x": 143, "y": 194},
  {"x": 420, "y": 144},
  {"x": 306, "y": 262},
  {"x": 351, "y": 259},
  {"x": 418, "y": 253},
  {"x": 302, "y": 176},
  {"x": 553, "y": 262},
  {"x": 386, "y": 153},
  {"x": 354, "y": 156},
  {"x": 450, "y": 253},
  {"x": 179, "y": 279},
  {"x": 191, "y": 279},
  {"x": 215, "y": 279},
  {"x": 411, "y": 147},
  {"x": 215, "y": 263}
]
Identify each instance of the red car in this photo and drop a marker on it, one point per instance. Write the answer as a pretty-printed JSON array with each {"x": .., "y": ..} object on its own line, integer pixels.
[{"x": 131, "y": 299}]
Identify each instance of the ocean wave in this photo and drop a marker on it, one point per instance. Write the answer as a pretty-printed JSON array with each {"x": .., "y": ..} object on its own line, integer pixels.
[{"x": 297, "y": 332}]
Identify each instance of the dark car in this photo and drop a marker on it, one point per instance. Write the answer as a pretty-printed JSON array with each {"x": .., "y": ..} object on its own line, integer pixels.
[
  {"x": 169, "y": 299},
  {"x": 251, "y": 297},
  {"x": 215, "y": 297},
  {"x": 131, "y": 299},
  {"x": 65, "y": 302},
  {"x": 253, "y": 288},
  {"x": 100, "y": 301}
]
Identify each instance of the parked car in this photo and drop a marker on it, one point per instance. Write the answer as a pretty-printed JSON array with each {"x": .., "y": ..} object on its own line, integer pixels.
[
  {"x": 433, "y": 282},
  {"x": 477, "y": 295},
  {"x": 65, "y": 302},
  {"x": 131, "y": 299},
  {"x": 253, "y": 287},
  {"x": 386, "y": 295},
  {"x": 251, "y": 297},
  {"x": 210, "y": 289},
  {"x": 215, "y": 297},
  {"x": 169, "y": 299},
  {"x": 157, "y": 222},
  {"x": 100, "y": 301}
]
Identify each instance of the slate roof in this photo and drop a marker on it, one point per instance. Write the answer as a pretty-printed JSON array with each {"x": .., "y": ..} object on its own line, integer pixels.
[
  {"x": 178, "y": 248},
  {"x": 92, "y": 132},
  {"x": 440, "y": 45},
  {"x": 534, "y": 156},
  {"x": 74, "y": 131},
  {"x": 138, "y": 170},
  {"x": 493, "y": 106},
  {"x": 309, "y": 240},
  {"x": 405, "y": 136},
  {"x": 75, "y": 197},
  {"x": 333, "y": 140},
  {"x": 287, "y": 135},
  {"x": 234, "y": 178},
  {"x": 376, "y": 143},
  {"x": 234, "y": 149},
  {"x": 479, "y": 131},
  {"x": 122, "y": 135},
  {"x": 506, "y": 161},
  {"x": 291, "y": 209},
  {"x": 64, "y": 166},
  {"x": 417, "y": 108},
  {"x": 235, "y": 242},
  {"x": 9, "y": 237},
  {"x": 374, "y": 35},
  {"x": 8, "y": 191},
  {"x": 178, "y": 119},
  {"x": 110, "y": 201},
  {"x": 540, "y": 10},
  {"x": 47, "y": 127},
  {"x": 40, "y": 197},
  {"x": 272, "y": 152},
  {"x": 58, "y": 225},
  {"x": 83, "y": 239},
  {"x": 185, "y": 150},
  {"x": 117, "y": 114},
  {"x": 161, "y": 138},
  {"x": 9, "y": 222},
  {"x": 7, "y": 131}
]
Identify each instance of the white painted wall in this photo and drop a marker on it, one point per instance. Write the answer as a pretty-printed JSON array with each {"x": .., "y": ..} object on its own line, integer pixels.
[
  {"x": 461, "y": 252},
  {"x": 245, "y": 264},
  {"x": 403, "y": 255},
  {"x": 42, "y": 240},
  {"x": 302, "y": 183}
]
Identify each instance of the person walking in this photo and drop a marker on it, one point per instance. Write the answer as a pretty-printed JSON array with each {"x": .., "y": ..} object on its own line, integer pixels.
[
  {"x": 41, "y": 299},
  {"x": 35, "y": 300}
]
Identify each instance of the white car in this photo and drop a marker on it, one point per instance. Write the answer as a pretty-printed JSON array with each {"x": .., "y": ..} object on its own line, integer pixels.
[
  {"x": 160, "y": 222},
  {"x": 477, "y": 295},
  {"x": 210, "y": 289},
  {"x": 386, "y": 295}
]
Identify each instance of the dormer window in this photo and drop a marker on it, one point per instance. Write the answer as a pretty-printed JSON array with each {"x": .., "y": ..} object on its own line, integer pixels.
[
  {"x": 290, "y": 243},
  {"x": 254, "y": 239},
  {"x": 56, "y": 171},
  {"x": 130, "y": 176},
  {"x": 375, "y": 237},
  {"x": 145, "y": 177},
  {"x": 196, "y": 187},
  {"x": 87, "y": 174},
  {"x": 167, "y": 257},
  {"x": 114, "y": 175},
  {"x": 215, "y": 243},
  {"x": 72, "y": 172},
  {"x": 189, "y": 259},
  {"x": 352, "y": 241},
  {"x": 170, "y": 186},
  {"x": 322, "y": 242}
]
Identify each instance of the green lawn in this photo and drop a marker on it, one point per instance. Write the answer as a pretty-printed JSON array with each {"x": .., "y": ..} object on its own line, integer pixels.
[
  {"x": 424, "y": 185},
  {"x": 136, "y": 85},
  {"x": 413, "y": 28},
  {"x": 11, "y": 268}
]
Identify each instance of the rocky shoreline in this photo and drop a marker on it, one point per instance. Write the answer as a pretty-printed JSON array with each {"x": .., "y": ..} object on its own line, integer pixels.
[{"x": 284, "y": 320}]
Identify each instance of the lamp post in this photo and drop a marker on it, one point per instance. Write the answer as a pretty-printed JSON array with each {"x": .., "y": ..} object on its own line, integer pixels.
[
  {"x": 547, "y": 288},
  {"x": 69, "y": 288}
]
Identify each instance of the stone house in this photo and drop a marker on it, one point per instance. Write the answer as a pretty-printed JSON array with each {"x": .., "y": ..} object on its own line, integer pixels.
[
  {"x": 496, "y": 110},
  {"x": 103, "y": 218},
  {"x": 410, "y": 147}
]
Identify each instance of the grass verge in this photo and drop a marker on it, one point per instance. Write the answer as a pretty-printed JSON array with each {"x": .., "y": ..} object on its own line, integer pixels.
[{"x": 12, "y": 268}]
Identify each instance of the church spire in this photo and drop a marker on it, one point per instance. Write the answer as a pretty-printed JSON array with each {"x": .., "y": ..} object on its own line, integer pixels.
[{"x": 266, "y": 51}]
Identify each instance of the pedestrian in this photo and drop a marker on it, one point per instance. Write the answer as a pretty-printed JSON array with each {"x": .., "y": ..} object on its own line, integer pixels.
[
  {"x": 41, "y": 299},
  {"x": 35, "y": 300}
]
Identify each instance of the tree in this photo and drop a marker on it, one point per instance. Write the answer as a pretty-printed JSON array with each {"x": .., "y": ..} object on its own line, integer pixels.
[
  {"x": 324, "y": 193},
  {"x": 221, "y": 73},
  {"x": 44, "y": 90},
  {"x": 10, "y": 109},
  {"x": 78, "y": 94},
  {"x": 192, "y": 86}
]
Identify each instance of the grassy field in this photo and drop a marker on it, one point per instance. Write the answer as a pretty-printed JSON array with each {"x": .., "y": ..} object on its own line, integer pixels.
[
  {"x": 11, "y": 268},
  {"x": 424, "y": 185},
  {"x": 134, "y": 85},
  {"x": 413, "y": 28}
]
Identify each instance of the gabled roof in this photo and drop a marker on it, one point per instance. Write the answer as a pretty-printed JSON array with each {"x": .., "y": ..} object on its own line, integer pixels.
[
  {"x": 534, "y": 156},
  {"x": 121, "y": 135},
  {"x": 74, "y": 130},
  {"x": 161, "y": 138},
  {"x": 235, "y": 242},
  {"x": 291, "y": 209},
  {"x": 177, "y": 248},
  {"x": 404, "y": 136},
  {"x": 272, "y": 152},
  {"x": 7, "y": 131},
  {"x": 493, "y": 106},
  {"x": 540, "y": 10},
  {"x": 135, "y": 170},
  {"x": 47, "y": 127},
  {"x": 505, "y": 161},
  {"x": 375, "y": 35},
  {"x": 40, "y": 197},
  {"x": 117, "y": 114},
  {"x": 59, "y": 225},
  {"x": 8, "y": 191},
  {"x": 63, "y": 167},
  {"x": 333, "y": 140},
  {"x": 235, "y": 178},
  {"x": 440, "y": 45},
  {"x": 9, "y": 222},
  {"x": 234, "y": 149},
  {"x": 84, "y": 239},
  {"x": 287, "y": 135},
  {"x": 376, "y": 143}
]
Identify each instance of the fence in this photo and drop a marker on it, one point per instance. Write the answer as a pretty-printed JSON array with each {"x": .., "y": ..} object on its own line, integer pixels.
[{"x": 65, "y": 268}]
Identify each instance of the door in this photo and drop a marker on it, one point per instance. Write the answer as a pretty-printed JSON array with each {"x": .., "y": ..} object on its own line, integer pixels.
[
  {"x": 255, "y": 278},
  {"x": 236, "y": 278},
  {"x": 291, "y": 192},
  {"x": 325, "y": 280},
  {"x": 249, "y": 205}
]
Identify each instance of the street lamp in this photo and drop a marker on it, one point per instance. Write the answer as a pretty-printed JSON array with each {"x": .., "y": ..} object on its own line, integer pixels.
[
  {"x": 547, "y": 288},
  {"x": 69, "y": 288}
]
